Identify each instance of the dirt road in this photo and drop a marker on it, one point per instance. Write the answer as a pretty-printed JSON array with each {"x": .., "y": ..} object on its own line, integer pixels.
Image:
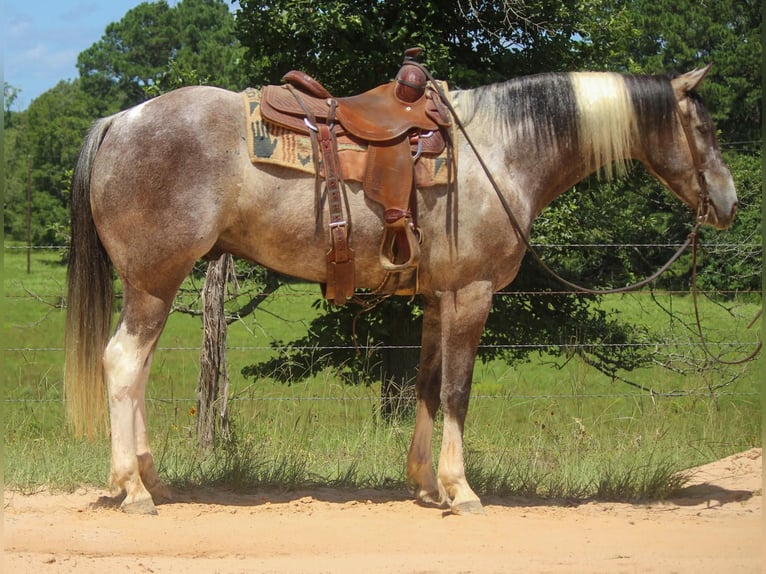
[{"x": 716, "y": 525}]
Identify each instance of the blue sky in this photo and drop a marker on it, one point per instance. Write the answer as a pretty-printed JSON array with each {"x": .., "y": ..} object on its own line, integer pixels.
[{"x": 42, "y": 38}]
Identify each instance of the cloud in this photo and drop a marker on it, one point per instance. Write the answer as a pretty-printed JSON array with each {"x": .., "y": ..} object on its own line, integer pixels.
[
  {"x": 18, "y": 27},
  {"x": 42, "y": 39},
  {"x": 43, "y": 60}
]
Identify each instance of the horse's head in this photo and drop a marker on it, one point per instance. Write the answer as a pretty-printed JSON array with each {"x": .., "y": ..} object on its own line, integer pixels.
[{"x": 691, "y": 164}]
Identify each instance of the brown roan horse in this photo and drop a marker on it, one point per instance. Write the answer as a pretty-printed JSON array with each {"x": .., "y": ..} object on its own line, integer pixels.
[{"x": 163, "y": 184}]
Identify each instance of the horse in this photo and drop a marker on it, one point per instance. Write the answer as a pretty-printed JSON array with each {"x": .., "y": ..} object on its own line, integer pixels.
[{"x": 168, "y": 182}]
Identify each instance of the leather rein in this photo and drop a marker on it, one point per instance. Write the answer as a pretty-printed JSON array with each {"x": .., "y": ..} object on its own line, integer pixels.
[{"x": 703, "y": 212}]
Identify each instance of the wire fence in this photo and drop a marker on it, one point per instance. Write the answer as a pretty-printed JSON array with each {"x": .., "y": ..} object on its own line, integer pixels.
[{"x": 17, "y": 295}]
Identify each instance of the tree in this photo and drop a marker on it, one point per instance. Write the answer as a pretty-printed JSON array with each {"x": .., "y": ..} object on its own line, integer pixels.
[
  {"x": 355, "y": 45},
  {"x": 49, "y": 135},
  {"x": 154, "y": 48},
  {"x": 9, "y": 98},
  {"x": 659, "y": 36},
  {"x": 351, "y": 46},
  {"x": 153, "y": 44}
]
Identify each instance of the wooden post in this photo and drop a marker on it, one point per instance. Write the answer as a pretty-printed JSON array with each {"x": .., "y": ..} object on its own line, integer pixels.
[{"x": 213, "y": 386}]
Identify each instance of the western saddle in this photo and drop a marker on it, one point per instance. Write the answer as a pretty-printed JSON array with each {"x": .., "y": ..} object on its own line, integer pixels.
[{"x": 396, "y": 122}]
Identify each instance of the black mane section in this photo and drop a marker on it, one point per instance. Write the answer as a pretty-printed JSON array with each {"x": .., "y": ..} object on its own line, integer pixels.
[
  {"x": 654, "y": 104},
  {"x": 539, "y": 108}
]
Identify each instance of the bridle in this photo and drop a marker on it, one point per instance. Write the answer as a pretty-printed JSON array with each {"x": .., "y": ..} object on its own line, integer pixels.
[
  {"x": 703, "y": 199},
  {"x": 703, "y": 212}
]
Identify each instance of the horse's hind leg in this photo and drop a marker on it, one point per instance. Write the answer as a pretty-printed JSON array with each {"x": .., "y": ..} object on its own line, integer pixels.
[
  {"x": 127, "y": 361},
  {"x": 146, "y": 468}
]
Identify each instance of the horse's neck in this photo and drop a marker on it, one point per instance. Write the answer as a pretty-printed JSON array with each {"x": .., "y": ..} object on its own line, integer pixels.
[
  {"x": 529, "y": 179},
  {"x": 549, "y": 132}
]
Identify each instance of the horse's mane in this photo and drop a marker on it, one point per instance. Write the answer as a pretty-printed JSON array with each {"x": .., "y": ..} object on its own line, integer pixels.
[{"x": 599, "y": 113}]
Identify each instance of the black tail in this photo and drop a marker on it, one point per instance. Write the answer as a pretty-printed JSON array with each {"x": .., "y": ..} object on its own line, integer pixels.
[{"x": 89, "y": 301}]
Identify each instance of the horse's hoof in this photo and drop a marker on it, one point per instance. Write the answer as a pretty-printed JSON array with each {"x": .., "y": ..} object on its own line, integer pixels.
[
  {"x": 430, "y": 499},
  {"x": 142, "y": 506},
  {"x": 472, "y": 507}
]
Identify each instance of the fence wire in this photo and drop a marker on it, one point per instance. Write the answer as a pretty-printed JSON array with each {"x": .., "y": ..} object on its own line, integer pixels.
[{"x": 55, "y": 301}]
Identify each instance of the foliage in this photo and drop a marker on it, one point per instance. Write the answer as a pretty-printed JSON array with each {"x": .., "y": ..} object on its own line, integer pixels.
[
  {"x": 10, "y": 94},
  {"x": 351, "y": 46},
  {"x": 732, "y": 261},
  {"x": 349, "y": 340},
  {"x": 45, "y": 140},
  {"x": 660, "y": 36},
  {"x": 154, "y": 48},
  {"x": 154, "y": 44},
  {"x": 356, "y": 44}
]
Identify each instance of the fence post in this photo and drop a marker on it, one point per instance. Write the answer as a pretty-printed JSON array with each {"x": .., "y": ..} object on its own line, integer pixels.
[{"x": 213, "y": 386}]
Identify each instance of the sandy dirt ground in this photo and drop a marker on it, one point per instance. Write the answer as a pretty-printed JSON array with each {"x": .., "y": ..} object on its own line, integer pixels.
[{"x": 715, "y": 525}]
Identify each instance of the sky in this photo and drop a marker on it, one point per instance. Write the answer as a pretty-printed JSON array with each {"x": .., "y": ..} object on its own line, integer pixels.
[{"x": 42, "y": 38}]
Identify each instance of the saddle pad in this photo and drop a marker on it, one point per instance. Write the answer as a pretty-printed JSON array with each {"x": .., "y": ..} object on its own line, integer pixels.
[{"x": 269, "y": 143}]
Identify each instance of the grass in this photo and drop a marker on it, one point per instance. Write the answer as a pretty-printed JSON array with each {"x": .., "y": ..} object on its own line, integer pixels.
[{"x": 540, "y": 429}]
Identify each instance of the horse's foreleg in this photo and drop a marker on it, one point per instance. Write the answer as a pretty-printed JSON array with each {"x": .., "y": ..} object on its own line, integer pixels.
[
  {"x": 420, "y": 468},
  {"x": 463, "y": 315}
]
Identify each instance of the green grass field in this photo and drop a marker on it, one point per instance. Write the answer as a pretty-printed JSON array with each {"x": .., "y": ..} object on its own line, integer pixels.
[{"x": 538, "y": 428}]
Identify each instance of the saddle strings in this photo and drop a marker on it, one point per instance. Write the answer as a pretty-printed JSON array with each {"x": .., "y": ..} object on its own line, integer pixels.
[{"x": 315, "y": 155}]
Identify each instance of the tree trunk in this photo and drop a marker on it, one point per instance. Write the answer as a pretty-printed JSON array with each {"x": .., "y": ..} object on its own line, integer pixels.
[{"x": 213, "y": 387}]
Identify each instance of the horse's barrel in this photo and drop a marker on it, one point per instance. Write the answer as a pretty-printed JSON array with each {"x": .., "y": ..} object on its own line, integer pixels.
[{"x": 410, "y": 83}]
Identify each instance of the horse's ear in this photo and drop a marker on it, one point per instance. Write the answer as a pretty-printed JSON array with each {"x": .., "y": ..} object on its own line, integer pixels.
[{"x": 685, "y": 83}]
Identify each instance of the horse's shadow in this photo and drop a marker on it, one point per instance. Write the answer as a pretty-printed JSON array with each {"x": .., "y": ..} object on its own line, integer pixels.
[
  {"x": 223, "y": 496},
  {"x": 709, "y": 495}
]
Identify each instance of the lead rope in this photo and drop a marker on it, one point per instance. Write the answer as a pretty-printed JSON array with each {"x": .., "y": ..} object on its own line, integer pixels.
[{"x": 694, "y": 290}]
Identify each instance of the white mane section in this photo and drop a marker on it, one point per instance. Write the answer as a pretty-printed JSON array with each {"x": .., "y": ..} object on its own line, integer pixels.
[
  {"x": 463, "y": 103},
  {"x": 606, "y": 121}
]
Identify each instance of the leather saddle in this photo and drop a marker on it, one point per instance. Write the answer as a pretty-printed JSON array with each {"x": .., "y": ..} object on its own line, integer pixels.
[{"x": 396, "y": 122}]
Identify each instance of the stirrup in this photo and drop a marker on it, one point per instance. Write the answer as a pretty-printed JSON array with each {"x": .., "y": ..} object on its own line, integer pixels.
[{"x": 390, "y": 234}]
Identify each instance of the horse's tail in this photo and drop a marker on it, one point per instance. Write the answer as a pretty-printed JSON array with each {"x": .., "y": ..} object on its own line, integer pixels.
[{"x": 89, "y": 301}]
